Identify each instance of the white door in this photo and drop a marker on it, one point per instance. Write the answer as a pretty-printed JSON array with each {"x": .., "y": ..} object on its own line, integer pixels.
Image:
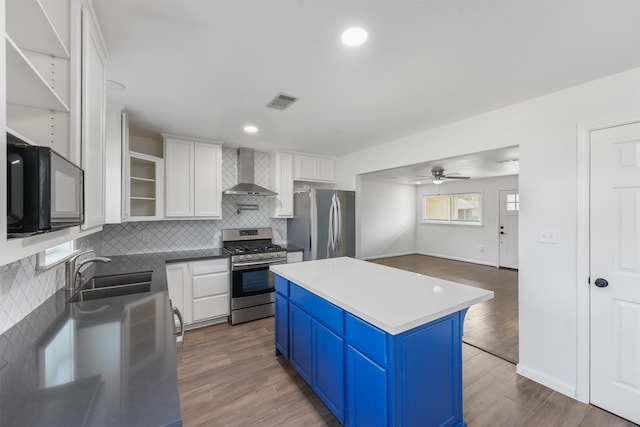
[
  {"x": 615, "y": 270},
  {"x": 508, "y": 228}
]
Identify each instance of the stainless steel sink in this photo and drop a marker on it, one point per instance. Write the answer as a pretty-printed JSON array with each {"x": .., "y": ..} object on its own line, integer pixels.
[{"x": 113, "y": 286}]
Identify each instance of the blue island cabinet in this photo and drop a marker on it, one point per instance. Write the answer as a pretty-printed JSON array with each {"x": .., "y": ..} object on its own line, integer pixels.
[{"x": 366, "y": 376}]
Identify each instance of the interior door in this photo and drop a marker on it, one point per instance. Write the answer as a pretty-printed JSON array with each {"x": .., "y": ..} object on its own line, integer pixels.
[
  {"x": 508, "y": 228},
  {"x": 615, "y": 270}
]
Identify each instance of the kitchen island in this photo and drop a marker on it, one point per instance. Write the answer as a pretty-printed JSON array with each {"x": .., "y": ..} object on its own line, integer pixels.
[{"x": 380, "y": 346}]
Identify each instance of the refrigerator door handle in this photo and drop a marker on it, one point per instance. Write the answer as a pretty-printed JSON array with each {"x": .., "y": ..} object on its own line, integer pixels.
[
  {"x": 313, "y": 222},
  {"x": 331, "y": 245},
  {"x": 338, "y": 227}
]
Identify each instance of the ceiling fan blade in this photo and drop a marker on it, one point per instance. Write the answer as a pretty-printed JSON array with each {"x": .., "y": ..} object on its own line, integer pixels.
[
  {"x": 423, "y": 177},
  {"x": 456, "y": 177}
]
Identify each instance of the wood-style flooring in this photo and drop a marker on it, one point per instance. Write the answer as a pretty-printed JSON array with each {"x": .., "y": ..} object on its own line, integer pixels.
[
  {"x": 230, "y": 376},
  {"x": 491, "y": 326}
]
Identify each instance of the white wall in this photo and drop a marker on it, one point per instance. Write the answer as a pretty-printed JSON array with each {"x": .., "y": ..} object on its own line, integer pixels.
[
  {"x": 545, "y": 130},
  {"x": 469, "y": 243},
  {"x": 387, "y": 219}
]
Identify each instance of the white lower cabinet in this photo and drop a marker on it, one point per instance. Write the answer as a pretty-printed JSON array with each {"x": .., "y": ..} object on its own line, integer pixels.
[
  {"x": 200, "y": 290},
  {"x": 296, "y": 256}
]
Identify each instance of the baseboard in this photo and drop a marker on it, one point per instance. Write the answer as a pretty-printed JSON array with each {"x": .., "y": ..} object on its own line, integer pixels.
[
  {"x": 473, "y": 261},
  {"x": 387, "y": 255},
  {"x": 546, "y": 380}
]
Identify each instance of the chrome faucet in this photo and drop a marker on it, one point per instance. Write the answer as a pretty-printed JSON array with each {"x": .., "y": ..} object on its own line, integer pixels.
[{"x": 73, "y": 268}]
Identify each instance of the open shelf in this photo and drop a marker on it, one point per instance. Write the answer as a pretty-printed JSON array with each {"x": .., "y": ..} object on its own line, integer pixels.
[
  {"x": 26, "y": 86},
  {"x": 137, "y": 178},
  {"x": 145, "y": 174},
  {"x": 142, "y": 207},
  {"x": 40, "y": 35}
]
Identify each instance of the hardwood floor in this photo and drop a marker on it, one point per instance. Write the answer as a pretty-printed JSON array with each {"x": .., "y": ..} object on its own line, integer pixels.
[
  {"x": 230, "y": 376},
  {"x": 491, "y": 326}
]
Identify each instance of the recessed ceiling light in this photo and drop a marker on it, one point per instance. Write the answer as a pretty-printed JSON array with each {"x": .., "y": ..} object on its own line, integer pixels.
[
  {"x": 250, "y": 129},
  {"x": 354, "y": 36}
]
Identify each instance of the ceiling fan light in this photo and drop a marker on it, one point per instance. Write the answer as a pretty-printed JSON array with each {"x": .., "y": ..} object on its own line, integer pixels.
[{"x": 437, "y": 181}]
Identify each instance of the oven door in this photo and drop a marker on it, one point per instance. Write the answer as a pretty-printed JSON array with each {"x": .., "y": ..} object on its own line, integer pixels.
[{"x": 252, "y": 280}]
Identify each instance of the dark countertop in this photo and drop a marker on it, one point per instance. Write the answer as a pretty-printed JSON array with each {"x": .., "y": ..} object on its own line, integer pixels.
[
  {"x": 107, "y": 362},
  {"x": 291, "y": 248}
]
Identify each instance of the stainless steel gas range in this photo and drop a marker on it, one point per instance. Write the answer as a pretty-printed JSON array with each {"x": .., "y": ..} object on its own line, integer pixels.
[{"x": 252, "y": 285}]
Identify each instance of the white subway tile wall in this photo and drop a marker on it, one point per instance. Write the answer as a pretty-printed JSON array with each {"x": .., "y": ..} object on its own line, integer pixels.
[
  {"x": 178, "y": 235},
  {"x": 23, "y": 288}
]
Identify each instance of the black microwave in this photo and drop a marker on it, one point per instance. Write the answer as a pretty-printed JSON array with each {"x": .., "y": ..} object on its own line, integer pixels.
[{"x": 45, "y": 191}]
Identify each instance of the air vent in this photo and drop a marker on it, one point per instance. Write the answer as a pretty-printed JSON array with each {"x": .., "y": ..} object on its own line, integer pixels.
[{"x": 282, "y": 101}]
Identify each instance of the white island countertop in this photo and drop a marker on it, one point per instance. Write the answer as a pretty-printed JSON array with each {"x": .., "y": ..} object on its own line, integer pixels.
[{"x": 393, "y": 300}]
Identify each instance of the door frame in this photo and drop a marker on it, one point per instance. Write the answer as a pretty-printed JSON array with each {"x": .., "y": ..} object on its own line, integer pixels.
[
  {"x": 583, "y": 290},
  {"x": 500, "y": 190}
]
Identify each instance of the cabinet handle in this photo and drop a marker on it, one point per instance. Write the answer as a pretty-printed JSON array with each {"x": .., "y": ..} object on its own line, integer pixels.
[{"x": 180, "y": 338}]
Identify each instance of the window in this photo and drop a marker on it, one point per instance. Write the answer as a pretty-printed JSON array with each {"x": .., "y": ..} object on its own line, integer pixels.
[
  {"x": 513, "y": 202},
  {"x": 55, "y": 255},
  {"x": 453, "y": 208}
]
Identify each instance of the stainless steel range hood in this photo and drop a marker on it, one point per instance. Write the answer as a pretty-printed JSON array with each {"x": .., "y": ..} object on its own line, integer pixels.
[{"x": 246, "y": 177}]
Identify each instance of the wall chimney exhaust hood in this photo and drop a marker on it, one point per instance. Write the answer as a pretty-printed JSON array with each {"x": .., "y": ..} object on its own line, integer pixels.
[{"x": 246, "y": 177}]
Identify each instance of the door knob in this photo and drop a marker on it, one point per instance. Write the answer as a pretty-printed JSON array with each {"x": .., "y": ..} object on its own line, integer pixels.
[
  {"x": 601, "y": 283},
  {"x": 502, "y": 232}
]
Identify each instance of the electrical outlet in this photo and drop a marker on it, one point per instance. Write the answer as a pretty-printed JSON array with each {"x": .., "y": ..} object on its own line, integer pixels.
[{"x": 146, "y": 237}]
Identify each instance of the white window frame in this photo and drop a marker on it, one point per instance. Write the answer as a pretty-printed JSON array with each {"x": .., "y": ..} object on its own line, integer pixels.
[
  {"x": 450, "y": 221},
  {"x": 56, "y": 255}
]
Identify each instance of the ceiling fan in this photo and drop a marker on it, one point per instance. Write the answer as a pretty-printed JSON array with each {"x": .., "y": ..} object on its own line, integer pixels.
[{"x": 438, "y": 176}]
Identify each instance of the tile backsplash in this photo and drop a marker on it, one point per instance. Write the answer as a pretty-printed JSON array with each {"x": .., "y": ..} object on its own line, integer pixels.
[
  {"x": 23, "y": 288},
  {"x": 162, "y": 236}
]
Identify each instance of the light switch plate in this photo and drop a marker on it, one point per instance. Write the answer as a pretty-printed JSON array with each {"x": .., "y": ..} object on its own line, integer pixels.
[{"x": 547, "y": 235}]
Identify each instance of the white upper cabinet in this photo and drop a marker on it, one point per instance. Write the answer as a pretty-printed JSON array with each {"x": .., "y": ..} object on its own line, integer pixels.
[
  {"x": 179, "y": 176},
  {"x": 193, "y": 178},
  {"x": 54, "y": 70},
  {"x": 313, "y": 168},
  {"x": 281, "y": 178},
  {"x": 93, "y": 121},
  {"x": 208, "y": 180},
  {"x": 38, "y": 72},
  {"x": 135, "y": 170},
  {"x": 116, "y": 145},
  {"x": 144, "y": 184}
]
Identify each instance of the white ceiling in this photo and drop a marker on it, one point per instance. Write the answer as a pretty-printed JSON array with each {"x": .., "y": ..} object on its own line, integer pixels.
[{"x": 206, "y": 68}]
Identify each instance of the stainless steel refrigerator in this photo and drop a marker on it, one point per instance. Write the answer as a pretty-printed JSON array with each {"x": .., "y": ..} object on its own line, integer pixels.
[{"x": 323, "y": 223}]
